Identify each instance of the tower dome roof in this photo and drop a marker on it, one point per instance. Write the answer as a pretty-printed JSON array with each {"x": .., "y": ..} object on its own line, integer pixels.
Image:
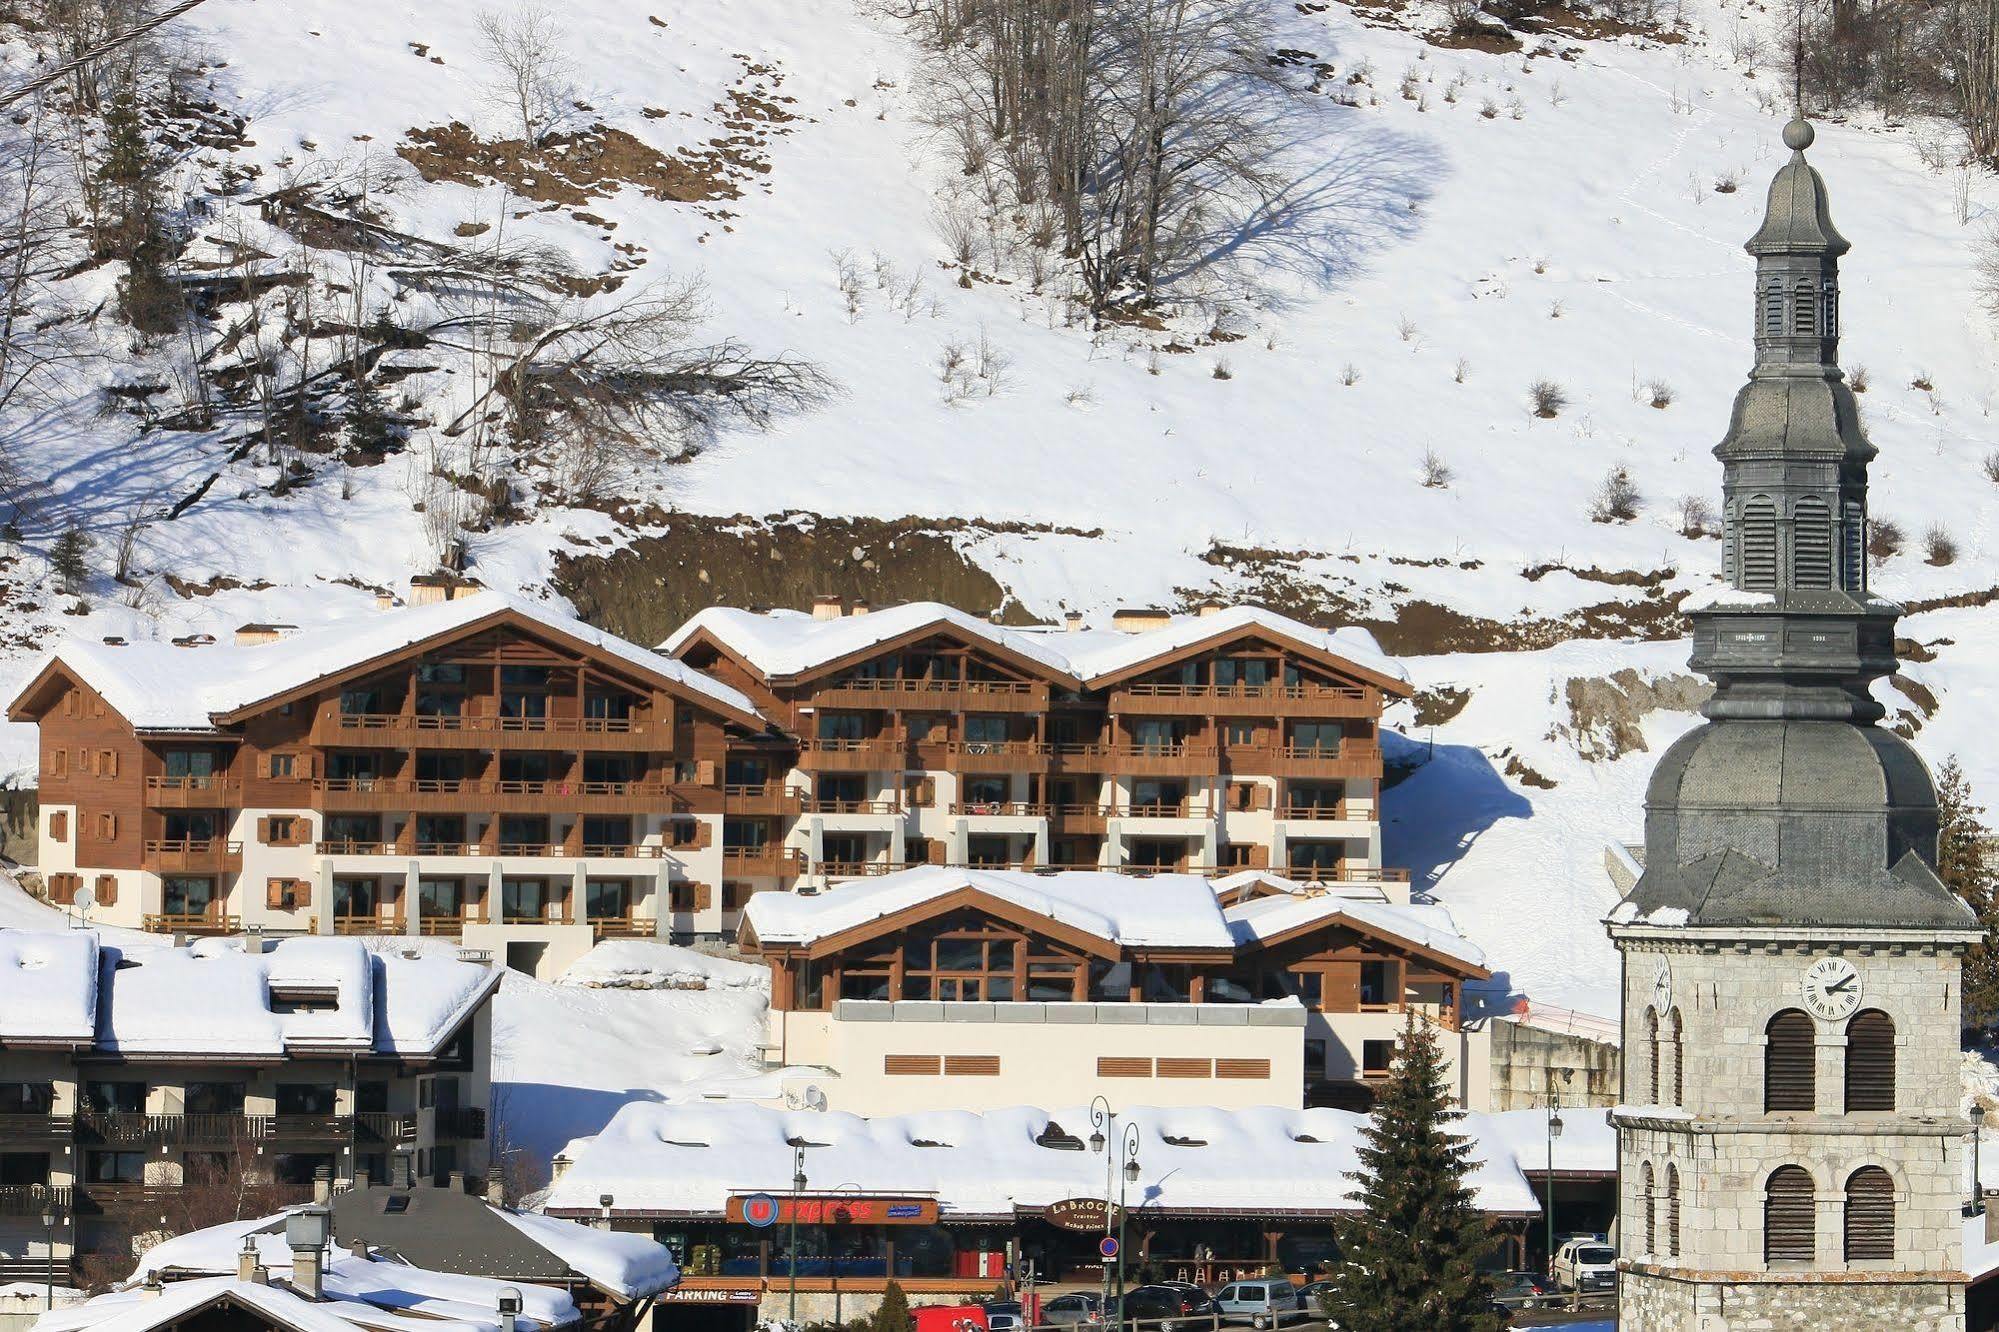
[{"x": 1797, "y": 218}]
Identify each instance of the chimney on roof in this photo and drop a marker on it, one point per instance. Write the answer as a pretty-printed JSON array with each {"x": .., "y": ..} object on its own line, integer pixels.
[
  {"x": 1208, "y": 607},
  {"x": 455, "y": 1181},
  {"x": 150, "y": 1289},
  {"x": 194, "y": 640},
  {"x": 997, "y": 615},
  {"x": 114, "y": 640},
  {"x": 385, "y": 601},
  {"x": 558, "y": 1166},
  {"x": 322, "y": 1176},
  {"x": 1072, "y": 621},
  {"x": 1138, "y": 619},
  {"x": 826, "y": 606},
  {"x": 404, "y": 1167},
  {"x": 859, "y": 606},
  {"x": 253, "y": 940},
  {"x": 496, "y": 1186},
  {"x": 429, "y": 589},
  {"x": 254, "y": 635},
  {"x": 246, "y": 1260}
]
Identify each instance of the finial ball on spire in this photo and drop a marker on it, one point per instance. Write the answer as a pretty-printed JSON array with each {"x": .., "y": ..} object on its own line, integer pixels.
[{"x": 1798, "y": 135}]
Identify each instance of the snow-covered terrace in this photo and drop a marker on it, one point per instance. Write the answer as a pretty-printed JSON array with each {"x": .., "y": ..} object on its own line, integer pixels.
[
  {"x": 214, "y": 998},
  {"x": 687, "y": 1160}
]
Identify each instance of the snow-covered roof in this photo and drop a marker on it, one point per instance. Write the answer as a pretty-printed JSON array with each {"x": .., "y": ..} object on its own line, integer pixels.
[
  {"x": 1160, "y": 911},
  {"x": 626, "y": 1265},
  {"x": 692, "y": 1158},
  {"x": 161, "y": 686},
  {"x": 213, "y": 998},
  {"x": 1428, "y": 926},
  {"x": 48, "y": 985},
  {"x": 785, "y": 643}
]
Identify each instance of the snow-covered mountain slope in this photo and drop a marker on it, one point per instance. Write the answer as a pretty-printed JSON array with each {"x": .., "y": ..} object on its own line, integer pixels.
[{"x": 1455, "y": 225}]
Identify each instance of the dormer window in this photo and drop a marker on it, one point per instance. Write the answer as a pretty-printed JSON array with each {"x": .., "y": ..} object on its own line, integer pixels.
[{"x": 285, "y": 998}]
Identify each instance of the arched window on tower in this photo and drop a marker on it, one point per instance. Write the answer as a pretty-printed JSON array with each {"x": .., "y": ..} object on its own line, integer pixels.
[
  {"x": 1651, "y": 1056},
  {"x": 1759, "y": 545},
  {"x": 1829, "y": 314},
  {"x": 1679, "y": 1053},
  {"x": 1804, "y": 309},
  {"x": 1773, "y": 308},
  {"x": 1788, "y": 1221},
  {"x": 1651, "y": 1211},
  {"x": 1853, "y": 536},
  {"x": 1672, "y": 1210},
  {"x": 1870, "y": 1216},
  {"x": 1789, "y": 1051},
  {"x": 1870, "y": 1061},
  {"x": 1811, "y": 544}
]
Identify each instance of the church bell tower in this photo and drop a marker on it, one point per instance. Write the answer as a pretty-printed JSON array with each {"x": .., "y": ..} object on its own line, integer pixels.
[{"x": 1790, "y": 1148}]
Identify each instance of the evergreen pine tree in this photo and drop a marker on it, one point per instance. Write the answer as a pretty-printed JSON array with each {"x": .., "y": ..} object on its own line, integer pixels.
[
  {"x": 70, "y": 559},
  {"x": 894, "y": 1315},
  {"x": 1410, "y": 1260},
  {"x": 1967, "y": 869}
]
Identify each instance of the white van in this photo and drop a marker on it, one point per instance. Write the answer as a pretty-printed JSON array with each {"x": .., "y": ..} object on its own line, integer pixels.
[{"x": 1265, "y": 1302}]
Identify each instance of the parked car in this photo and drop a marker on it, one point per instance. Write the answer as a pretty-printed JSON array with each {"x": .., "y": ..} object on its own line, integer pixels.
[
  {"x": 1069, "y": 1310},
  {"x": 1166, "y": 1308},
  {"x": 1004, "y": 1316},
  {"x": 1521, "y": 1290},
  {"x": 1264, "y": 1302},
  {"x": 1311, "y": 1297},
  {"x": 1585, "y": 1265}
]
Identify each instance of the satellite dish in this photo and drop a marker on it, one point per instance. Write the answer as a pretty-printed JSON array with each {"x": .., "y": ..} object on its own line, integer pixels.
[
  {"x": 815, "y": 1099},
  {"x": 86, "y": 898}
]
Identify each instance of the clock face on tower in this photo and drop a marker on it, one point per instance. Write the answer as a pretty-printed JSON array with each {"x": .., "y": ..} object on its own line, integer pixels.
[
  {"x": 1662, "y": 987},
  {"x": 1831, "y": 988}
]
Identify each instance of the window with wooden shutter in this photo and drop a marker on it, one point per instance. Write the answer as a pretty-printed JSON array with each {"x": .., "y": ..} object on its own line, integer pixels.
[
  {"x": 59, "y": 826},
  {"x": 62, "y": 888},
  {"x": 1788, "y": 1216},
  {"x": 1646, "y": 1182},
  {"x": 1789, "y": 1052},
  {"x": 58, "y": 763},
  {"x": 107, "y": 827},
  {"x": 704, "y": 773},
  {"x": 1651, "y": 1057},
  {"x": 281, "y": 894},
  {"x": 1674, "y": 1030},
  {"x": 1123, "y": 1066},
  {"x": 971, "y": 1066},
  {"x": 1870, "y": 1061},
  {"x": 110, "y": 763},
  {"x": 909, "y": 1065},
  {"x": 1673, "y": 1211},
  {"x": 1184, "y": 1068},
  {"x": 107, "y": 890},
  {"x": 1870, "y": 1216},
  {"x": 1242, "y": 1068}
]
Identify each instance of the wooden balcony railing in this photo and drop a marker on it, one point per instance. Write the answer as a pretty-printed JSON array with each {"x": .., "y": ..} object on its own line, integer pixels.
[
  {"x": 35, "y": 1199},
  {"x": 449, "y": 925},
  {"x": 818, "y": 806},
  {"x": 767, "y": 859},
  {"x": 759, "y": 798},
  {"x": 1168, "y": 809},
  {"x": 370, "y": 923},
  {"x": 462, "y": 1122},
  {"x": 375, "y": 1126},
  {"x": 623, "y": 850},
  {"x": 1342, "y": 874},
  {"x": 1267, "y": 700},
  {"x": 626, "y": 926},
  {"x": 1011, "y": 809},
  {"x": 1337, "y": 811},
  {"x": 883, "y": 751},
  {"x": 858, "y": 869},
  {"x": 191, "y": 922},
  {"x": 26, "y": 1128},
  {"x": 191, "y": 855},
  {"x": 953, "y": 695},
  {"x": 212, "y": 791}
]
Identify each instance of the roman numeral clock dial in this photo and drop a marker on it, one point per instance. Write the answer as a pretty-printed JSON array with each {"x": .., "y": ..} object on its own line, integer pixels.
[{"x": 1831, "y": 988}]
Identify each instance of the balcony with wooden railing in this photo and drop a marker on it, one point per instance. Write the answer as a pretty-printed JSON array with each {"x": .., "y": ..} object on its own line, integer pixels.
[
  {"x": 191, "y": 855},
  {"x": 874, "y": 753},
  {"x": 376, "y": 1126},
  {"x": 451, "y": 925},
  {"x": 370, "y": 923},
  {"x": 626, "y": 926},
  {"x": 1336, "y": 811},
  {"x": 815, "y": 805},
  {"x": 463, "y": 1121},
  {"x": 1355, "y": 758},
  {"x": 36, "y": 1200},
  {"x": 477, "y": 796},
  {"x": 760, "y": 798},
  {"x": 984, "y": 756},
  {"x": 1002, "y": 809},
  {"x": 1242, "y": 700},
  {"x": 1192, "y": 807},
  {"x": 1090, "y": 817},
  {"x": 1185, "y": 759},
  {"x": 210, "y": 791},
  {"x": 935, "y": 695},
  {"x": 769, "y": 859},
  {"x": 1343, "y": 874},
  {"x": 191, "y": 922},
  {"x": 22, "y": 1130},
  {"x": 858, "y": 869},
  {"x": 404, "y": 730}
]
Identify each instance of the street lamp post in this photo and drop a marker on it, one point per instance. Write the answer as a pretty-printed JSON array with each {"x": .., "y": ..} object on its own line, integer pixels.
[
  {"x": 1548, "y": 1206},
  {"x": 1977, "y": 1133},
  {"x": 49, "y": 1272},
  {"x": 791, "y": 1257},
  {"x": 1102, "y": 1120},
  {"x": 1128, "y": 1175}
]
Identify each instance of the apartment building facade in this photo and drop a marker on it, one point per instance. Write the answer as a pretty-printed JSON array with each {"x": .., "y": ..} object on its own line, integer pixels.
[
  {"x": 476, "y": 767},
  {"x": 1230, "y": 739},
  {"x": 940, "y": 988},
  {"x": 144, "y": 1089}
]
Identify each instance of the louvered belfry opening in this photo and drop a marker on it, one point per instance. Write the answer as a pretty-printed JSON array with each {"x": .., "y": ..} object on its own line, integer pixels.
[
  {"x": 1811, "y": 544},
  {"x": 1652, "y": 1056},
  {"x": 1870, "y": 1216},
  {"x": 1870, "y": 1061},
  {"x": 1759, "y": 546},
  {"x": 1789, "y": 1053},
  {"x": 1679, "y": 1060},
  {"x": 1651, "y": 1212},
  {"x": 1673, "y": 1210},
  {"x": 1787, "y": 1216}
]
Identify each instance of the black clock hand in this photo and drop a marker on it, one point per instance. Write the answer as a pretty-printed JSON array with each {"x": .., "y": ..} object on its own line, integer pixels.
[{"x": 1840, "y": 986}]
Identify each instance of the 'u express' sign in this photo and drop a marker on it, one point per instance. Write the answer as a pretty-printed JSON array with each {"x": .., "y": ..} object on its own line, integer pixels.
[{"x": 844, "y": 1209}]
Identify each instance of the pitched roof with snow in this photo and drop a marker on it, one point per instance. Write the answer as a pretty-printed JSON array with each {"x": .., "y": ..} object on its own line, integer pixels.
[
  {"x": 785, "y": 643},
  {"x": 213, "y": 998},
  {"x": 1160, "y": 911},
  {"x": 1427, "y": 926},
  {"x": 690, "y": 1159},
  {"x": 161, "y": 686}
]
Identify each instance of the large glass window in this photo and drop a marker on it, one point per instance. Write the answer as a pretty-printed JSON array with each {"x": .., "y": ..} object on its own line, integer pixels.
[
  {"x": 1159, "y": 735},
  {"x": 607, "y": 707},
  {"x": 352, "y": 828},
  {"x": 114, "y": 1167},
  {"x": 182, "y": 895},
  {"x": 305, "y": 1098},
  {"x": 183, "y": 763},
  {"x": 440, "y": 898},
  {"x": 115, "y": 1098},
  {"x": 743, "y": 770},
  {"x": 215, "y": 1098},
  {"x": 985, "y": 730},
  {"x": 524, "y": 899},
  {"x": 607, "y": 899},
  {"x": 842, "y": 726},
  {"x": 1316, "y": 737},
  {"x": 1242, "y": 672},
  {"x": 607, "y": 830}
]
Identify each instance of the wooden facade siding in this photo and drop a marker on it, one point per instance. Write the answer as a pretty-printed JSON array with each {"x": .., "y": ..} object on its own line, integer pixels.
[
  {"x": 912, "y": 1065},
  {"x": 1123, "y": 1066},
  {"x": 971, "y": 1066},
  {"x": 1242, "y": 1068},
  {"x": 1179, "y": 1067}
]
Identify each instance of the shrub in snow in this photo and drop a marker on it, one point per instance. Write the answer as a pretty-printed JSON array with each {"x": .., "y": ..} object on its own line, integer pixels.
[
  {"x": 1939, "y": 546},
  {"x": 1884, "y": 538},
  {"x": 1461, "y": 371},
  {"x": 1222, "y": 370},
  {"x": 1436, "y": 472},
  {"x": 1548, "y": 398},
  {"x": 1992, "y": 467},
  {"x": 1616, "y": 500},
  {"x": 1696, "y": 516},
  {"x": 1922, "y": 382},
  {"x": 1728, "y": 182},
  {"x": 1857, "y": 380},
  {"x": 1349, "y": 374},
  {"x": 1661, "y": 393}
]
